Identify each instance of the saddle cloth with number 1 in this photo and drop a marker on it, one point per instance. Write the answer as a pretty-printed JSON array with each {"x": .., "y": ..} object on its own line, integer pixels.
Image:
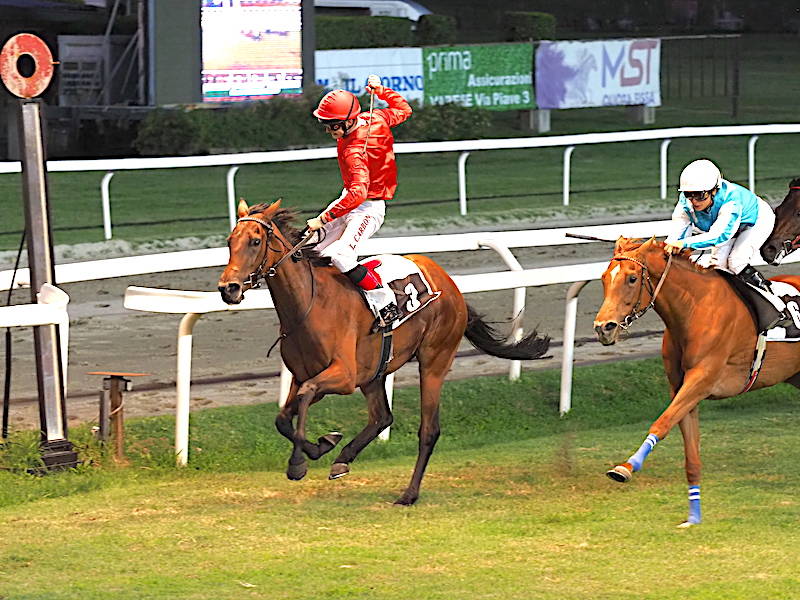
[{"x": 411, "y": 290}]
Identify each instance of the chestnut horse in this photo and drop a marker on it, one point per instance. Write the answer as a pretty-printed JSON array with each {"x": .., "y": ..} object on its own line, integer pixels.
[
  {"x": 704, "y": 356},
  {"x": 327, "y": 344},
  {"x": 785, "y": 237}
]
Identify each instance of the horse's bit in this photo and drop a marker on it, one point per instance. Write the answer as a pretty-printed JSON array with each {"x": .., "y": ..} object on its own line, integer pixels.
[{"x": 637, "y": 313}]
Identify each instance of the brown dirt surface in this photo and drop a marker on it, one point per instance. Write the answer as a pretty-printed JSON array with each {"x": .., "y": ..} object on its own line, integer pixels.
[{"x": 230, "y": 365}]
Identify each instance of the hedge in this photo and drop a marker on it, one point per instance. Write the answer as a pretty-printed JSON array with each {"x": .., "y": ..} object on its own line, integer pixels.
[
  {"x": 529, "y": 26},
  {"x": 362, "y": 32},
  {"x": 436, "y": 30},
  {"x": 284, "y": 123}
]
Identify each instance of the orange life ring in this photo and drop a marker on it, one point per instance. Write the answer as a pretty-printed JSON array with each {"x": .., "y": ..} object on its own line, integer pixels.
[{"x": 19, "y": 85}]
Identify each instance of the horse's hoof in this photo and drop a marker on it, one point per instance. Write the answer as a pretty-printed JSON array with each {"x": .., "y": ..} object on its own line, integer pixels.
[
  {"x": 339, "y": 470},
  {"x": 297, "y": 472},
  {"x": 620, "y": 473},
  {"x": 328, "y": 442},
  {"x": 406, "y": 500}
]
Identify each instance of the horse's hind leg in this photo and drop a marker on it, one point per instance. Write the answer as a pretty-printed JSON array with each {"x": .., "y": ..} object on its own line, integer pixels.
[{"x": 380, "y": 417}]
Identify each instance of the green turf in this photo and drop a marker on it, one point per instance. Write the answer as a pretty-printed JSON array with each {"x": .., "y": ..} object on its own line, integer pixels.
[{"x": 515, "y": 504}]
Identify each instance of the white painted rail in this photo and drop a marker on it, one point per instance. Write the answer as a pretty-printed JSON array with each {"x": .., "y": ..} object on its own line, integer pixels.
[
  {"x": 50, "y": 309},
  {"x": 463, "y": 147}
]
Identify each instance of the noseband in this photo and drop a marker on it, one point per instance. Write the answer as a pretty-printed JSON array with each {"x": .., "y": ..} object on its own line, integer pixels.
[{"x": 636, "y": 312}]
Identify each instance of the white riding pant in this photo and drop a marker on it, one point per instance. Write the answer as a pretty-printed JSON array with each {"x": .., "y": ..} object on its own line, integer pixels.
[
  {"x": 342, "y": 237},
  {"x": 739, "y": 251}
]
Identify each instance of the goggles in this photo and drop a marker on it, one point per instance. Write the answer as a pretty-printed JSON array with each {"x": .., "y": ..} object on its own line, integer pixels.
[
  {"x": 331, "y": 125},
  {"x": 695, "y": 195}
]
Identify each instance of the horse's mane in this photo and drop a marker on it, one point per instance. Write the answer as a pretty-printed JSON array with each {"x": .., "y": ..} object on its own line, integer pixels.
[
  {"x": 283, "y": 220},
  {"x": 633, "y": 244}
]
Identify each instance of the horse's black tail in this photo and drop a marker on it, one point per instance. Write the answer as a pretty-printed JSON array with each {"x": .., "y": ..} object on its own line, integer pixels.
[{"x": 486, "y": 339}]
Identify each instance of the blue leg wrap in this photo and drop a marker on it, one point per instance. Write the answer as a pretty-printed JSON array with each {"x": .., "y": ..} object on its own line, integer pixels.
[
  {"x": 694, "y": 504},
  {"x": 647, "y": 446}
]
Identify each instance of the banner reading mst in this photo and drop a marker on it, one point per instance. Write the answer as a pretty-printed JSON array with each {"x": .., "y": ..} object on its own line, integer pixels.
[{"x": 494, "y": 77}]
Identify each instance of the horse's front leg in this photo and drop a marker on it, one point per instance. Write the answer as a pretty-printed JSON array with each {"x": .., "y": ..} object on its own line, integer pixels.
[
  {"x": 697, "y": 384},
  {"x": 690, "y": 429},
  {"x": 335, "y": 379}
]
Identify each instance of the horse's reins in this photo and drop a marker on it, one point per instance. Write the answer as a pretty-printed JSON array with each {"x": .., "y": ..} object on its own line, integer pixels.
[
  {"x": 253, "y": 280},
  {"x": 637, "y": 313},
  {"x": 789, "y": 246}
]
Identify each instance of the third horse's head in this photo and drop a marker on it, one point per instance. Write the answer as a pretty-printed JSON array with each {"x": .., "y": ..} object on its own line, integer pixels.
[{"x": 785, "y": 237}]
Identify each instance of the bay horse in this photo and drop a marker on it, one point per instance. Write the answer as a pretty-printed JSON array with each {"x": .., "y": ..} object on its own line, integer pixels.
[
  {"x": 785, "y": 237},
  {"x": 327, "y": 343},
  {"x": 704, "y": 355}
]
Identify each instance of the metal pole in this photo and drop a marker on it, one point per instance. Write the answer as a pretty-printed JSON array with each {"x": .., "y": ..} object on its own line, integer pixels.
[
  {"x": 105, "y": 198},
  {"x": 231, "y": 187},
  {"x": 570, "y": 319},
  {"x": 664, "y": 146},
  {"x": 751, "y": 162},
  {"x": 389, "y": 387},
  {"x": 183, "y": 384},
  {"x": 567, "y": 164},
  {"x": 57, "y": 451},
  {"x": 462, "y": 182}
]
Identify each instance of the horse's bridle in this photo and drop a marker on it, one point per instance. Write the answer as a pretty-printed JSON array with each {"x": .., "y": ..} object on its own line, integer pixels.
[
  {"x": 258, "y": 274},
  {"x": 636, "y": 312}
]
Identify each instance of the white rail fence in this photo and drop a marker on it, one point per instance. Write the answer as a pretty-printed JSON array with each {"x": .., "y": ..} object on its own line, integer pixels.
[
  {"x": 463, "y": 147},
  {"x": 193, "y": 304}
]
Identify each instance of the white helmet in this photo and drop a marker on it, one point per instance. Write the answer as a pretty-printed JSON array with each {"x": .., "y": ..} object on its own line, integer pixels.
[{"x": 700, "y": 176}]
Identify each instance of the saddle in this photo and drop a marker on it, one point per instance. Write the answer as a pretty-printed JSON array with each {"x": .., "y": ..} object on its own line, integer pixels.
[{"x": 766, "y": 316}]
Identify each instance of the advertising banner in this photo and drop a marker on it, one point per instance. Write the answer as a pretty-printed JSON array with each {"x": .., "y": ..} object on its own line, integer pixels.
[
  {"x": 599, "y": 73},
  {"x": 251, "y": 49},
  {"x": 398, "y": 68},
  {"x": 495, "y": 77}
]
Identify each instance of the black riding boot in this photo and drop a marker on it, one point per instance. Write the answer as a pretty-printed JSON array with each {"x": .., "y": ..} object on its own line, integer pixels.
[{"x": 752, "y": 276}]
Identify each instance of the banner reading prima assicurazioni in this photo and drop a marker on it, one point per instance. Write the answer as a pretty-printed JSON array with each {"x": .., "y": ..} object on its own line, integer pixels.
[
  {"x": 598, "y": 73},
  {"x": 495, "y": 77}
]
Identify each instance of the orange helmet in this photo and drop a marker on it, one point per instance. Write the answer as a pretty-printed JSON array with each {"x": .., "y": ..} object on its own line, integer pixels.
[{"x": 338, "y": 105}]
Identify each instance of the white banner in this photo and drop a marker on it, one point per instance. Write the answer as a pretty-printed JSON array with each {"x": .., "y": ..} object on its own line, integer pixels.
[
  {"x": 398, "y": 68},
  {"x": 600, "y": 73}
]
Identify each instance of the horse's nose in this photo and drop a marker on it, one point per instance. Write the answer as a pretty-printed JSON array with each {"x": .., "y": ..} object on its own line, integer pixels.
[
  {"x": 769, "y": 251},
  {"x": 231, "y": 292},
  {"x": 607, "y": 332}
]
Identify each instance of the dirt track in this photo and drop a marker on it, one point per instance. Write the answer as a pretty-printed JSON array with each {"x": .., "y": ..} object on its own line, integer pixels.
[{"x": 230, "y": 364}]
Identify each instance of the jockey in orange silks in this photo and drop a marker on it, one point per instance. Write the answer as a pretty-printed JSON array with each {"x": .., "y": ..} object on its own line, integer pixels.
[{"x": 364, "y": 144}]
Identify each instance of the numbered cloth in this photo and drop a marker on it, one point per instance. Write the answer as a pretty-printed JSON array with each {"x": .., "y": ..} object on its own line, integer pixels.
[{"x": 411, "y": 290}]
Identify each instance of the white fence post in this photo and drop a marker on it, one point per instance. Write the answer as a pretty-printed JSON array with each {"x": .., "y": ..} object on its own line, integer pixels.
[
  {"x": 286, "y": 383},
  {"x": 384, "y": 435},
  {"x": 106, "y": 201},
  {"x": 183, "y": 384},
  {"x": 570, "y": 319},
  {"x": 751, "y": 162},
  {"x": 664, "y": 145},
  {"x": 231, "y": 195},
  {"x": 518, "y": 308},
  {"x": 567, "y": 164},
  {"x": 462, "y": 182}
]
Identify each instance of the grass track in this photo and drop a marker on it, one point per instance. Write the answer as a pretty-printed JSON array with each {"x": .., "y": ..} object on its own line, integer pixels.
[{"x": 528, "y": 514}]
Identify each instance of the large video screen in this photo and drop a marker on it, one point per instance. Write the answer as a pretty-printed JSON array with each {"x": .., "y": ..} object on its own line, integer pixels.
[{"x": 252, "y": 49}]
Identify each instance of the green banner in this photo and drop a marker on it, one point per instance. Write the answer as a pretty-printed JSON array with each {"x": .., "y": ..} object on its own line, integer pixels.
[{"x": 494, "y": 77}]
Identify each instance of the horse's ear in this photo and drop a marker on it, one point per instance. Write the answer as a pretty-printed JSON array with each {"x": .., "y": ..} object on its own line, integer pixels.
[
  {"x": 648, "y": 243},
  {"x": 242, "y": 209},
  {"x": 619, "y": 244}
]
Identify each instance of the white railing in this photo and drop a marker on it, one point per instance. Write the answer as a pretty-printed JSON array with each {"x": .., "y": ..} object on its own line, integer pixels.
[{"x": 463, "y": 147}]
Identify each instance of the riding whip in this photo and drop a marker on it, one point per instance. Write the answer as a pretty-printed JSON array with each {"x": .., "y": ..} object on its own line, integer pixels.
[
  {"x": 588, "y": 237},
  {"x": 369, "y": 125}
]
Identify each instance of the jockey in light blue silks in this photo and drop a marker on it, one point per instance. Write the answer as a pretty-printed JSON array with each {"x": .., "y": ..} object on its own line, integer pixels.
[{"x": 718, "y": 214}]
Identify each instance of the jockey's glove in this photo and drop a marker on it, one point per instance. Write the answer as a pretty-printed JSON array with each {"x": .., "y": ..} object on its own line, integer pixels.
[
  {"x": 316, "y": 223},
  {"x": 673, "y": 247},
  {"x": 374, "y": 85}
]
